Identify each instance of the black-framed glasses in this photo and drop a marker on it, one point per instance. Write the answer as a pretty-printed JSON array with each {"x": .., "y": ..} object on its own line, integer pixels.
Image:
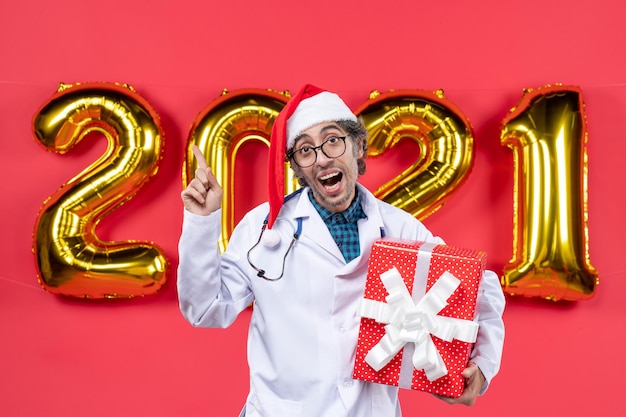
[{"x": 333, "y": 147}]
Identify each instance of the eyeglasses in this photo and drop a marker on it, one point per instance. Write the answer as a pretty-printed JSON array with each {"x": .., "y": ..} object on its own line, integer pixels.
[{"x": 333, "y": 147}]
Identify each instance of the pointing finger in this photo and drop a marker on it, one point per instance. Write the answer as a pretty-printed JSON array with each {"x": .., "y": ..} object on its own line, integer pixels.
[{"x": 199, "y": 157}]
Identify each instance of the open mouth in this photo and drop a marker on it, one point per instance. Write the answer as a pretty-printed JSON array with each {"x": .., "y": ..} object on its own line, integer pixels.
[{"x": 331, "y": 181}]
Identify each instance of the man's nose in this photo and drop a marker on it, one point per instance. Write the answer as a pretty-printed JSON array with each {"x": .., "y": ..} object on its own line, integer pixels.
[{"x": 322, "y": 159}]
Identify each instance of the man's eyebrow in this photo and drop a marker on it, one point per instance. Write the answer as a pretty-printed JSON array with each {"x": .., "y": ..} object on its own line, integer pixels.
[
  {"x": 300, "y": 136},
  {"x": 330, "y": 127}
]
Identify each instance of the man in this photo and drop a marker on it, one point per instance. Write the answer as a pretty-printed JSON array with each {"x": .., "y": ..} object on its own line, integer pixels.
[{"x": 305, "y": 272}]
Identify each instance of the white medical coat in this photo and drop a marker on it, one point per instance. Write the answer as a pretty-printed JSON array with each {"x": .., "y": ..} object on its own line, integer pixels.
[{"x": 304, "y": 327}]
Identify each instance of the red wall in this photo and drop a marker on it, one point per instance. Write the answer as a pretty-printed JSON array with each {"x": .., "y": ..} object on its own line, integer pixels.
[{"x": 69, "y": 357}]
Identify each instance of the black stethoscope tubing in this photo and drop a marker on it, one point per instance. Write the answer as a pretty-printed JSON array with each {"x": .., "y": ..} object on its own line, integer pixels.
[{"x": 261, "y": 272}]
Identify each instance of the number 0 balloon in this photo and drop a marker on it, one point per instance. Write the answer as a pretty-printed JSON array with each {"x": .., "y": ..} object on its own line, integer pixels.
[
  {"x": 221, "y": 129},
  {"x": 71, "y": 260},
  {"x": 547, "y": 133}
]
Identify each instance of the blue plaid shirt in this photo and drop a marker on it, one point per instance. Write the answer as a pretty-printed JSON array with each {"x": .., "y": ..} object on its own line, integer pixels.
[{"x": 343, "y": 226}]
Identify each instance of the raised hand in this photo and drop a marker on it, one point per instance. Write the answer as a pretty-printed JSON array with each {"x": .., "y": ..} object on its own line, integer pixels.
[{"x": 204, "y": 194}]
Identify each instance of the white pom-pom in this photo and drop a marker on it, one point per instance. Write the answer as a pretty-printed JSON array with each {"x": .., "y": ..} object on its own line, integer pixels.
[{"x": 270, "y": 239}]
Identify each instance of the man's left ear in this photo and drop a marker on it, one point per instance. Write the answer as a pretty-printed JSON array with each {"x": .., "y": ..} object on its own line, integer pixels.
[{"x": 362, "y": 148}]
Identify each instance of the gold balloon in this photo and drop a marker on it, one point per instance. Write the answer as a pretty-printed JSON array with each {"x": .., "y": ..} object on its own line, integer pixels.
[
  {"x": 71, "y": 259},
  {"x": 221, "y": 129},
  {"x": 445, "y": 140},
  {"x": 547, "y": 133}
]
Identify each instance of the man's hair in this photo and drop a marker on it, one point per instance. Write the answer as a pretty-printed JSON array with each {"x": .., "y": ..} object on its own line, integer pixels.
[{"x": 358, "y": 133}]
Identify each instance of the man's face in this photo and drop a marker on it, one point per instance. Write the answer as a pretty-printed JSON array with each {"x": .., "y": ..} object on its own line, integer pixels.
[{"x": 333, "y": 180}]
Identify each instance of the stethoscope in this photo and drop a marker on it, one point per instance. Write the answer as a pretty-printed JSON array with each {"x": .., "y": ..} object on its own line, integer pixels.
[{"x": 261, "y": 272}]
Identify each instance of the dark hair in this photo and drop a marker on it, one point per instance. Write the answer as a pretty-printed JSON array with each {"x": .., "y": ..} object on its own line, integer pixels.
[{"x": 358, "y": 133}]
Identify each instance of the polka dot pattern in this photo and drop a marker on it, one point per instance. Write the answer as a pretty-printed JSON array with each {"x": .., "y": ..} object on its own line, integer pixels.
[{"x": 465, "y": 264}]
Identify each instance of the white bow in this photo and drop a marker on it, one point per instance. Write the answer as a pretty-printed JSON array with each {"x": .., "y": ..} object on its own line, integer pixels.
[{"x": 407, "y": 321}]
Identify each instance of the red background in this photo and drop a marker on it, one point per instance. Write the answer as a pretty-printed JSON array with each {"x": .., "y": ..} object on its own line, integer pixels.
[{"x": 68, "y": 357}]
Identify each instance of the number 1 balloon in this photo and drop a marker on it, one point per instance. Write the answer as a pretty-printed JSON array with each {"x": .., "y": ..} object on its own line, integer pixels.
[{"x": 547, "y": 133}]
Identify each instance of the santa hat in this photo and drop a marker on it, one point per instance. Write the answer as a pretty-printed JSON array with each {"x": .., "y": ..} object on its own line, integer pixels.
[{"x": 309, "y": 107}]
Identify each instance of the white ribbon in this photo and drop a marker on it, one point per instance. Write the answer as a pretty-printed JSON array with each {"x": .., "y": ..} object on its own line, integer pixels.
[{"x": 414, "y": 322}]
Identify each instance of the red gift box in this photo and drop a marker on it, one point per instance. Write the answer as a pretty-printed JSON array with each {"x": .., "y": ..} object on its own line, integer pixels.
[{"x": 417, "y": 327}]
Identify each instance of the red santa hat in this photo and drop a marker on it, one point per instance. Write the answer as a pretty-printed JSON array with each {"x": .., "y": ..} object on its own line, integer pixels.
[{"x": 309, "y": 107}]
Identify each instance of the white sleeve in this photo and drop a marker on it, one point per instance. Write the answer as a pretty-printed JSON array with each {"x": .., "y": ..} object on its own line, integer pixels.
[
  {"x": 487, "y": 352},
  {"x": 209, "y": 294}
]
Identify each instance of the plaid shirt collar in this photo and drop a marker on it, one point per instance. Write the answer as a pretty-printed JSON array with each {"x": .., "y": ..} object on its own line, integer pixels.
[{"x": 350, "y": 215}]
